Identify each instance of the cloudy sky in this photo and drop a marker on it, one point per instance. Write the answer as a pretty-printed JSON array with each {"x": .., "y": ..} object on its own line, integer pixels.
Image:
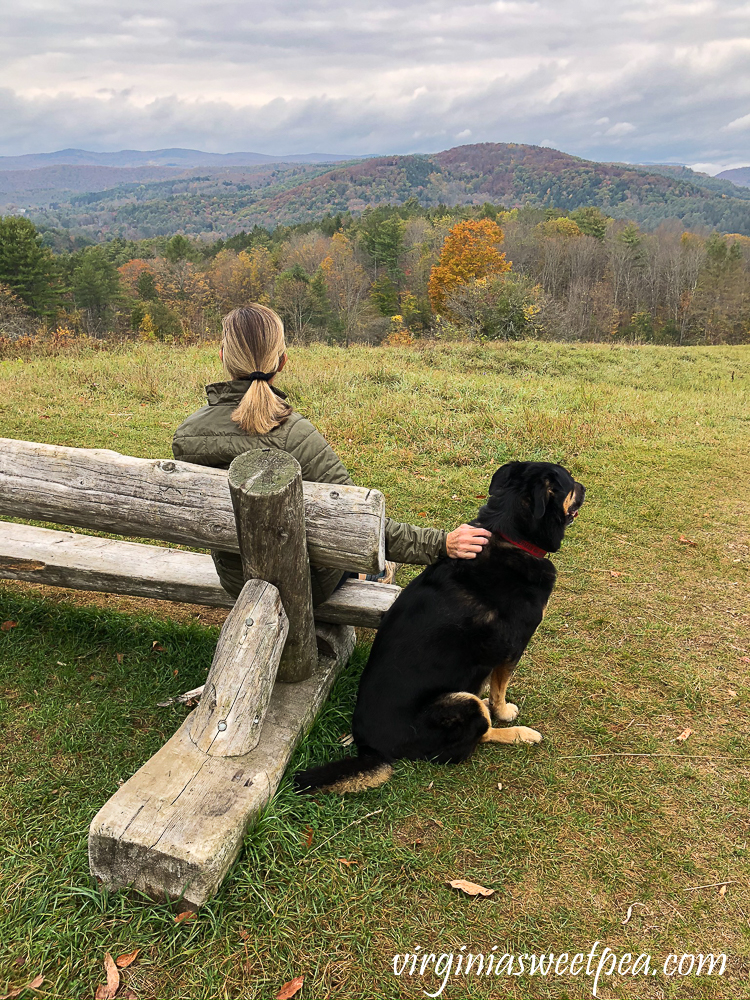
[{"x": 634, "y": 80}]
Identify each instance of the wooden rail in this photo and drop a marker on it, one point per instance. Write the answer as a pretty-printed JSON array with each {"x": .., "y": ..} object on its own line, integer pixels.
[
  {"x": 84, "y": 562},
  {"x": 176, "y": 502}
]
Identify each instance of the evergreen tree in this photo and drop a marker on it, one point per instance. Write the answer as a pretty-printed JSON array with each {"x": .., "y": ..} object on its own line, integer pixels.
[{"x": 26, "y": 266}]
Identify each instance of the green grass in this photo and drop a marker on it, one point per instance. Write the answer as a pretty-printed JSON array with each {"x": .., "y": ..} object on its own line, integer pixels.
[{"x": 621, "y": 664}]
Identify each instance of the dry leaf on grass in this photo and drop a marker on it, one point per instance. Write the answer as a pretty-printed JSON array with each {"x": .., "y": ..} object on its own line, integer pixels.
[
  {"x": 745, "y": 659},
  {"x": 156, "y": 647},
  {"x": 309, "y": 834},
  {"x": 723, "y": 891},
  {"x": 343, "y": 861},
  {"x": 120, "y": 657},
  {"x": 185, "y": 915},
  {"x": 107, "y": 990},
  {"x": 245, "y": 935},
  {"x": 35, "y": 983},
  {"x": 7, "y": 626},
  {"x": 687, "y": 541},
  {"x": 123, "y": 961},
  {"x": 614, "y": 572},
  {"x": 684, "y": 735},
  {"x": 470, "y": 888},
  {"x": 290, "y": 989}
]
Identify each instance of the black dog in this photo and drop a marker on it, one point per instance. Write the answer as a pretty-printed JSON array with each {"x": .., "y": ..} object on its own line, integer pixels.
[{"x": 458, "y": 625}]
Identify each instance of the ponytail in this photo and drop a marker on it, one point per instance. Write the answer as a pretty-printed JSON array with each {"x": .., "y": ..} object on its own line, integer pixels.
[{"x": 253, "y": 341}]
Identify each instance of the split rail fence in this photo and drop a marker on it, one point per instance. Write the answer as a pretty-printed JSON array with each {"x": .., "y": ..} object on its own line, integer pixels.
[{"x": 175, "y": 827}]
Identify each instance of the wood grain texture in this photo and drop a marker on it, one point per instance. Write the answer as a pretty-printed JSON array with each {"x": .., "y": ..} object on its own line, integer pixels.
[
  {"x": 229, "y": 721},
  {"x": 176, "y": 502},
  {"x": 175, "y": 827},
  {"x": 266, "y": 490},
  {"x": 82, "y": 562}
]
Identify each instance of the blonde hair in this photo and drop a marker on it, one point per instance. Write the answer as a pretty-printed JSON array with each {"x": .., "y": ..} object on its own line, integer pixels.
[{"x": 253, "y": 341}]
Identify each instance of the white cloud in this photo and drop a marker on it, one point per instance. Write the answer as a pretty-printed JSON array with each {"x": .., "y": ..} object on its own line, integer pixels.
[{"x": 328, "y": 76}]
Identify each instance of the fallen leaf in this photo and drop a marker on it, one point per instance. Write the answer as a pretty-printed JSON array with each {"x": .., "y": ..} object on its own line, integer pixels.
[
  {"x": 44, "y": 416},
  {"x": 343, "y": 861},
  {"x": 185, "y": 915},
  {"x": 723, "y": 891},
  {"x": 310, "y": 833},
  {"x": 35, "y": 983},
  {"x": 499, "y": 786},
  {"x": 423, "y": 513},
  {"x": 175, "y": 672},
  {"x": 731, "y": 693},
  {"x": 613, "y": 572},
  {"x": 745, "y": 659},
  {"x": 120, "y": 657},
  {"x": 684, "y": 735},
  {"x": 245, "y": 935},
  {"x": 156, "y": 647},
  {"x": 123, "y": 961},
  {"x": 7, "y": 626},
  {"x": 470, "y": 888},
  {"x": 687, "y": 541},
  {"x": 630, "y": 911},
  {"x": 480, "y": 496},
  {"x": 290, "y": 989},
  {"x": 107, "y": 990},
  {"x": 431, "y": 785}
]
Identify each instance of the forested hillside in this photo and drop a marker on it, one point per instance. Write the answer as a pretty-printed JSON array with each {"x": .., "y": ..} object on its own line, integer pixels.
[
  {"x": 224, "y": 203},
  {"x": 391, "y": 274}
]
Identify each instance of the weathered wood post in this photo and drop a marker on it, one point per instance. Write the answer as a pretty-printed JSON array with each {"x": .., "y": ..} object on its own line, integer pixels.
[
  {"x": 229, "y": 720},
  {"x": 266, "y": 489}
]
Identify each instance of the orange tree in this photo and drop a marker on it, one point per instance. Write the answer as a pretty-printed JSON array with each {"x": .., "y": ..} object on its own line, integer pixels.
[{"x": 470, "y": 251}]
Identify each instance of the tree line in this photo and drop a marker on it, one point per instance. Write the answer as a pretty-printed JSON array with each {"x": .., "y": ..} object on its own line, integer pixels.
[{"x": 398, "y": 273}]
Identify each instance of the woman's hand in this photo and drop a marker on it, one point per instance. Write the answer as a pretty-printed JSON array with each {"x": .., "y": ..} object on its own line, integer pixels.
[{"x": 465, "y": 542}]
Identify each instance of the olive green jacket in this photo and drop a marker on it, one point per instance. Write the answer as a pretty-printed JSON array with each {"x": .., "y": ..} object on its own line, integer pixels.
[{"x": 210, "y": 437}]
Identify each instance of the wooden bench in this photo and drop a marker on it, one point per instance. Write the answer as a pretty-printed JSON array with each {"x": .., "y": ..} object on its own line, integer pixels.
[{"x": 175, "y": 827}]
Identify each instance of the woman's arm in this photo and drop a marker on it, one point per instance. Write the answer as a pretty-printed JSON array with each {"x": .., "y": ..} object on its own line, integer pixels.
[{"x": 404, "y": 543}]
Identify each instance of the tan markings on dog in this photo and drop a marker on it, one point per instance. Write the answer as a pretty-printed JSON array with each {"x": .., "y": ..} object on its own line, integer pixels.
[
  {"x": 502, "y": 710},
  {"x": 456, "y": 697},
  {"x": 360, "y": 782},
  {"x": 569, "y": 501},
  {"x": 513, "y": 734}
]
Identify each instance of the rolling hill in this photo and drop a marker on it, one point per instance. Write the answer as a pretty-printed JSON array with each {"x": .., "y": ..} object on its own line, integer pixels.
[
  {"x": 224, "y": 202},
  {"x": 737, "y": 175}
]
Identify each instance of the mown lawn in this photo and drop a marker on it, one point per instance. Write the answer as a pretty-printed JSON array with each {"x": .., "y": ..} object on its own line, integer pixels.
[{"x": 646, "y": 637}]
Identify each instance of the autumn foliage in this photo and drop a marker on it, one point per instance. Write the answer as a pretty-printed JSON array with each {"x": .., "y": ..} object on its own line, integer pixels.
[{"x": 470, "y": 251}]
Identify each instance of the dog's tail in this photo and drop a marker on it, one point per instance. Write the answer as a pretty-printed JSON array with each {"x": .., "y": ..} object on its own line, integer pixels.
[{"x": 351, "y": 774}]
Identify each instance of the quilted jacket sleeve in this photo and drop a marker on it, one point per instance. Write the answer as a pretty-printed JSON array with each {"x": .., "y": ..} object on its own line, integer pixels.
[{"x": 404, "y": 543}]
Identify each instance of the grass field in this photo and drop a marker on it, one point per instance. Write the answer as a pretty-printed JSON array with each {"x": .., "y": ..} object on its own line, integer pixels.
[{"x": 647, "y": 636}]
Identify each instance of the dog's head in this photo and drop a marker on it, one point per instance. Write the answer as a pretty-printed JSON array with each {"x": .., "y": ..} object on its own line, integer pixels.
[{"x": 533, "y": 502}]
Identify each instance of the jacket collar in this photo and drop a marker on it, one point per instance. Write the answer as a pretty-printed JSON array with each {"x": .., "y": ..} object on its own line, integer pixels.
[{"x": 230, "y": 393}]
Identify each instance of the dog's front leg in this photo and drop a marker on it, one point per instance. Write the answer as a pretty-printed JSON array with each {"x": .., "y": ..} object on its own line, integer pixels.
[{"x": 502, "y": 710}]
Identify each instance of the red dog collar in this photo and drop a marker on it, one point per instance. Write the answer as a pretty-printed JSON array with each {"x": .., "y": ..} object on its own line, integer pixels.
[{"x": 533, "y": 550}]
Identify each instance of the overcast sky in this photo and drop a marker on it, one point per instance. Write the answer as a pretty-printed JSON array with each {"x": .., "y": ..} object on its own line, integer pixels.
[{"x": 635, "y": 80}]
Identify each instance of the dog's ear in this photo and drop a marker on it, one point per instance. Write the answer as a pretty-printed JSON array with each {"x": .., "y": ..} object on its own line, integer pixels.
[
  {"x": 540, "y": 495},
  {"x": 501, "y": 478}
]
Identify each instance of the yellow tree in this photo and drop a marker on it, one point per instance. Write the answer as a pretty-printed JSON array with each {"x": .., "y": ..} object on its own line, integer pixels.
[
  {"x": 470, "y": 251},
  {"x": 347, "y": 283}
]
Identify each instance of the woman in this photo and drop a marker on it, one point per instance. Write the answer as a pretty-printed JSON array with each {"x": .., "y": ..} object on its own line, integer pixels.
[{"x": 250, "y": 412}]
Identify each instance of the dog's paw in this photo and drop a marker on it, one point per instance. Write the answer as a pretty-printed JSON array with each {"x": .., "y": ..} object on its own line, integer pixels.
[
  {"x": 526, "y": 735},
  {"x": 506, "y": 713}
]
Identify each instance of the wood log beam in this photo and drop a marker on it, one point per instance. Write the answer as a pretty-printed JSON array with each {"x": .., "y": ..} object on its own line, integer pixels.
[
  {"x": 84, "y": 562},
  {"x": 175, "y": 827},
  {"x": 176, "y": 502}
]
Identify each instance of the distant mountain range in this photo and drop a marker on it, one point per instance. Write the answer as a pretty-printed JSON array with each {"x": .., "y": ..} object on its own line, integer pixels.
[
  {"x": 183, "y": 159},
  {"x": 218, "y": 198},
  {"x": 737, "y": 175}
]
